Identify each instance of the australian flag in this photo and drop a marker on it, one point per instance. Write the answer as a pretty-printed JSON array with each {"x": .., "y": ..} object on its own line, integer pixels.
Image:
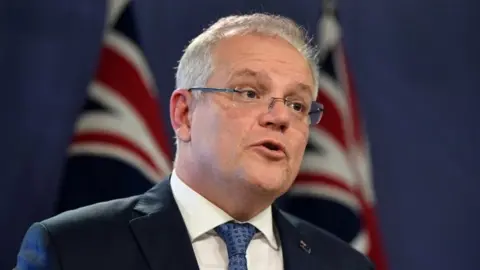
[
  {"x": 334, "y": 188},
  {"x": 119, "y": 147}
]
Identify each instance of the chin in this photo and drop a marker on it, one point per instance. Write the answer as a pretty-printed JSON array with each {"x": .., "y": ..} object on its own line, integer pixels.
[
  {"x": 270, "y": 183},
  {"x": 267, "y": 178}
]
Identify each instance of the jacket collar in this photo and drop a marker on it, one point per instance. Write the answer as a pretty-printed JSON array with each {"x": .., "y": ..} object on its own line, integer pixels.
[
  {"x": 163, "y": 237},
  {"x": 160, "y": 231}
]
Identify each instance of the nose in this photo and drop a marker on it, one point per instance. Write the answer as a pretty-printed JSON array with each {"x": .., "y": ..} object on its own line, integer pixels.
[{"x": 277, "y": 117}]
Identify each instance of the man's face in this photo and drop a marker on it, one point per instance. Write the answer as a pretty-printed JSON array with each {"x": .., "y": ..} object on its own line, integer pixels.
[{"x": 227, "y": 135}]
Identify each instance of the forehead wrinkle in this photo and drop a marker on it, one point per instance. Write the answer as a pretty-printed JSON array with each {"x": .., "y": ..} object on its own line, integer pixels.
[
  {"x": 298, "y": 87},
  {"x": 249, "y": 73}
]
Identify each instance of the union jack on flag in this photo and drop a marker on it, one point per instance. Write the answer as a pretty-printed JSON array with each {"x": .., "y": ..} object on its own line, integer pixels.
[
  {"x": 334, "y": 189},
  {"x": 119, "y": 147}
]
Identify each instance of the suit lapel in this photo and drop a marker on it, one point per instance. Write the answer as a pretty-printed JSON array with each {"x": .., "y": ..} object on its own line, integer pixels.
[
  {"x": 161, "y": 232},
  {"x": 297, "y": 252}
]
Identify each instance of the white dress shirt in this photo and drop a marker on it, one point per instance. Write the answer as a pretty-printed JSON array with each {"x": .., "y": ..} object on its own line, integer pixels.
[{"x": 201, "y": 217}]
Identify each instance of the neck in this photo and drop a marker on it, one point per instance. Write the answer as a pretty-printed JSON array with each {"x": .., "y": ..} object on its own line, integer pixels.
[{"x": 239, "y": 201}]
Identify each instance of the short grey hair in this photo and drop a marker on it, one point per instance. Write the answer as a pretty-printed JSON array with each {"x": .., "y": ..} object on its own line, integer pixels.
[
  {"x": 196, "y": 64},
  {"x": 195, "y": 67}
]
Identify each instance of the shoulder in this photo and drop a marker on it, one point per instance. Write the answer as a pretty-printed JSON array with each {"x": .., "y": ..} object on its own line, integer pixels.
[
  {"x": 92, "y": 218},
  {"x": 74, "y": 232},
  {"x": 330, "y": 245}
]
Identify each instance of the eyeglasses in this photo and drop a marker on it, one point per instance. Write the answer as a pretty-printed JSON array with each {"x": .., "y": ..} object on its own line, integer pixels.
[{"x": 310, "y": 112}]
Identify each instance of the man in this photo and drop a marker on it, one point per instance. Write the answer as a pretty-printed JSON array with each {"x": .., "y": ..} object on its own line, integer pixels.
[{"x": 246, "y": 91}]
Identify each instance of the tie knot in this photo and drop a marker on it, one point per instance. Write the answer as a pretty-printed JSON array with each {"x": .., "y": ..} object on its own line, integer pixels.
[{"x": 236, "y": 236}]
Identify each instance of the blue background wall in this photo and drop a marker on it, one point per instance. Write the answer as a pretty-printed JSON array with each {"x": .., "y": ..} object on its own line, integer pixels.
[{"x": 416, "y": 65}]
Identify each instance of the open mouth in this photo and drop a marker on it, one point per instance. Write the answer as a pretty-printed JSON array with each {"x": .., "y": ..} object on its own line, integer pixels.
[
  {"x": 271, "y": 150},
  {"x": 271, "y": 146}
]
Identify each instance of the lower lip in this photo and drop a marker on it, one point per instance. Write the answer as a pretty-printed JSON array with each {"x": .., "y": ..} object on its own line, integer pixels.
[{"x": 270, "y": 154}]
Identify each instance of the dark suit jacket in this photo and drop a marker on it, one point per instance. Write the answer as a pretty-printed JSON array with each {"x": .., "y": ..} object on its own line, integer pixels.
[{"x": 148, "y": 232}]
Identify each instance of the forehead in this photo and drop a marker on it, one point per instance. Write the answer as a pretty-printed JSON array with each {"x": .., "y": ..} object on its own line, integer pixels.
[{"x": 267, "y": 59}]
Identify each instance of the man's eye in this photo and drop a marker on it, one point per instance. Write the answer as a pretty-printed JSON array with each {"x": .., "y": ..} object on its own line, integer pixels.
[
  {"x": 298, "y": 106},
  {"x": 249, "y": 94}
]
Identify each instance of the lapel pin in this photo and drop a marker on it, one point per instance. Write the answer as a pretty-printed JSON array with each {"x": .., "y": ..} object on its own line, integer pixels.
[{"x": 305, "y": 247}]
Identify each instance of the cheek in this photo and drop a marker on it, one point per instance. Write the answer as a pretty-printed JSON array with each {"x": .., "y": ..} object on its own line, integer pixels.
[
  {"x": 228, "y": 127},
  {"x": 205, "y": 128},
  {"x": 299, "y": 144},
  {"x": 236, "y": 122}
]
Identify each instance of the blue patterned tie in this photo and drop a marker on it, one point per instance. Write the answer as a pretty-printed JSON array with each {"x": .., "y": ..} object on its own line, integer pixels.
[{"x": 236, "y": 236}]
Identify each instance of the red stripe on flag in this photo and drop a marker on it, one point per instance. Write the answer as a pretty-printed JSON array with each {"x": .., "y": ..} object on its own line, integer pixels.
[
  {"x": 368, "y": 215},
  {"x": 116, "y": 72},
  {"x": 117, "y": 141},
  {"x": 322, "y": 178},
  {"x": 332, "y": 120},
  {"x": 348, "y": 85},
  {"x": 370, "y": 223}
]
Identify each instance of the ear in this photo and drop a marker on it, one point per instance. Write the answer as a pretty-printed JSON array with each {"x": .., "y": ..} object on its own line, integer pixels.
[{"x": 180, "y": 113}]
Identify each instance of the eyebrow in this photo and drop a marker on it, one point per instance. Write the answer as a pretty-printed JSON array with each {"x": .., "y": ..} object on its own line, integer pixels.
[{"x": 249, "y": 73}]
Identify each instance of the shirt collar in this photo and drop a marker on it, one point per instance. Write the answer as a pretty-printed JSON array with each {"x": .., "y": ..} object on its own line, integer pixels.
[{"x": 201, "y": 216}]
